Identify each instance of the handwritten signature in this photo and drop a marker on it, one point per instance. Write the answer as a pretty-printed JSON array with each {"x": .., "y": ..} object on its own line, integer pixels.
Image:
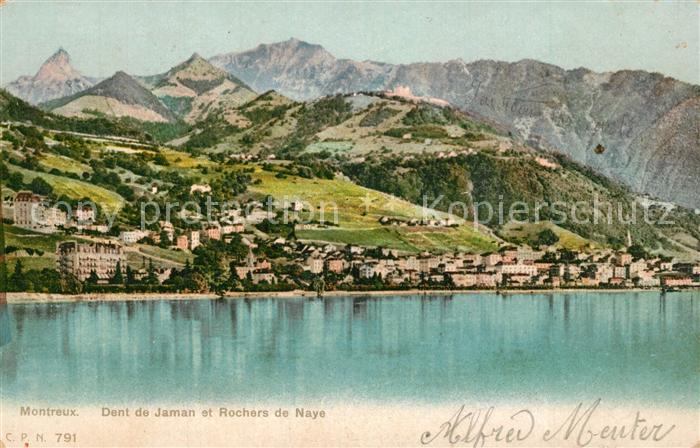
[{"x": 476, "y": 428}]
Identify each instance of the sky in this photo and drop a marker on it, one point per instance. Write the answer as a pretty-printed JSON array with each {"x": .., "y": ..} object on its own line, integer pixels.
[{"x": 149, "y": 37}]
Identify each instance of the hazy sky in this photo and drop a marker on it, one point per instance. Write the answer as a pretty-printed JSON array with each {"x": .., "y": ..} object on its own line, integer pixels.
[{"x": 143, "y": 37}]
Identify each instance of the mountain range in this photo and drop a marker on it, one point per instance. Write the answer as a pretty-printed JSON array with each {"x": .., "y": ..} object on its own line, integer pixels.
[
  {"x": 640, "y": 128},
  {"x": 647, "y": 125}
]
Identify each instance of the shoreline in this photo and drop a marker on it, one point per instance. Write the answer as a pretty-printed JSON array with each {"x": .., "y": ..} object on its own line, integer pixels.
[{"x": 24, "y": 297}]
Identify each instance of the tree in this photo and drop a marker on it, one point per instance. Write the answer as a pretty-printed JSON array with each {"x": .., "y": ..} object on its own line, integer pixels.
[
  {"x": 236, "y": 248},
  {"x": 567, "y": 256},
  {"x": 638, "y": 252},
  {"x": 448, "y": 281},
  {"x": 319, "y": 285},
  {"x": 130, "y": 277},
  {"x": 160, "y": 159},
  {"x": 70, "y": 284},
  {"x": 152, "y": 277},
  {"x": 187, "y": 270},
  {"x": 93, "y": 279},
  {"x": 18, "y": 281},
  {"x": 209, "y": 261},
  {"x": 4, "y": 172},
  {"x": 233, "y": 279},
  {"x": 126, "y": 192},
  {"x": 118, "y": 278},
  {"x": 547, "y": 238},
  {"x": 164, "y": 239},
  {"x": 15, "y": 181},
  {"x": 46, "y": 280},
  {"x": 40, "y": 186},
  {"x": 197, "y": 283},
  {"x": 3, "y": 259}
]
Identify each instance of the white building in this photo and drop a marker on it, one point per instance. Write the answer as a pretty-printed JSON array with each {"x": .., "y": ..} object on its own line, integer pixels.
[
  {"x": 194, "y": 240},
  {"x": 367, "y": 270},
  {"x": 517, "y": 269},
  {"x": 257, "y": 216},
  {"x": 84, "y": 215},
  {"x": 200, "y": 188},
  {"x": 132, "y": 236},
  {"x": 315, "y": 265}
]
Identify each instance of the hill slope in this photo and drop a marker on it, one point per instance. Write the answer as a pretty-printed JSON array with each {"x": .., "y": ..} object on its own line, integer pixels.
[
  {"x": 119, "y": 96},
  {"x": 195, "y": 89},
  {"x": 414, "y": 150},
  {"x": 13, "y": 109},
  {"x": 647, "y": 123}
]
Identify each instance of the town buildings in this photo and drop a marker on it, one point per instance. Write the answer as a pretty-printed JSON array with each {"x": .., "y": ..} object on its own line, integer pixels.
[
  {"x": 213, "y": 232},
  {"x": 352, "y": 266}
]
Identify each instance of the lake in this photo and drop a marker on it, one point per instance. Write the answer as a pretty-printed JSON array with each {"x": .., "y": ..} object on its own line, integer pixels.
[{"x": 627, "y": 347}]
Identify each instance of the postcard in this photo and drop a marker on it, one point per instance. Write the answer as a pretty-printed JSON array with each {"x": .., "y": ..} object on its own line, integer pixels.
[{"x": 349, "y": 223}]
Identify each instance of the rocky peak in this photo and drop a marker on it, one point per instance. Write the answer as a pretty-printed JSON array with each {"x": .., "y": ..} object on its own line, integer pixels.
[
  {"x": 196, "y": 67},
  {"x": 55, "y": 78},
  {"x": 58, "y": 67},
  {"x": 196, "y": 58},
  {"x": 59, "y": 57},
  {"x": 291, "y": 54}
]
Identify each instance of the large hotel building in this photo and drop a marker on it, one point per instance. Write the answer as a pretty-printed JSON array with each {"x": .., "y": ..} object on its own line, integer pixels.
[
  {"x": 32, "y": 211},
  {"x": 80, "y": 259}
]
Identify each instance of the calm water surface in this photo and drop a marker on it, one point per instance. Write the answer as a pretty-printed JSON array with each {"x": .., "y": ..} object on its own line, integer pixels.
[{"x": 624, "y": 347}]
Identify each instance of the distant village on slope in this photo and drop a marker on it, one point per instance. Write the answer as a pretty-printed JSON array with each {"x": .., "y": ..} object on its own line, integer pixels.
[{"x": 97, "y": 262}]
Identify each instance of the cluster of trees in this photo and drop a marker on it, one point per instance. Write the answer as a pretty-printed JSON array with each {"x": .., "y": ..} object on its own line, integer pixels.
[
  {"x": 212, "y": 268},
  {"x": 109, "y": 179},
  {"x": 313, "y": 117},
  {"x": 15, "y": 181},
  {"x": 546, "y": 237},
  {"x": 377, "y": 116},
  {"x": 31, "y": 136},
  {"x": 304, "y": 165},
  {"x": 72, "y": 146},
  {"x": 210, "y": 132},
  {"x": 428, "y": 114},
  {"x": 137, "y": 163},
  {"x": 50, "y": 281},
  {"x": 125, "y": 279},
  {"x": 418, "y": 132},
  {"x": 44, "y": 280},
  {"x": 261, "y": 114}
]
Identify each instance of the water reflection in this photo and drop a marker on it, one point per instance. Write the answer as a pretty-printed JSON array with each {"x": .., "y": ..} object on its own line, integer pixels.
[{"x": 424, "y": 348}]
